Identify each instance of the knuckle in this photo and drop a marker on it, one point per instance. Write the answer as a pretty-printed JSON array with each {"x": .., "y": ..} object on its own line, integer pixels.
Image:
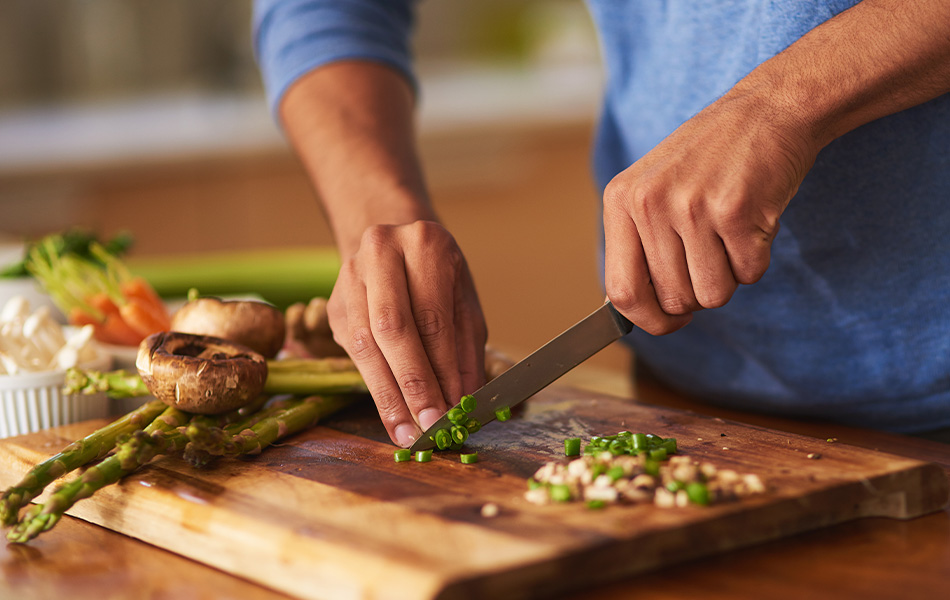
[
  {"x": 676, "y": 305},
  {"x": 413, "y": 386},
  {"x": 694, "y": 211},
  {"x": 750, "y": 273},
  {"x": 624, "y": 298},
  {"x": 389, "y": 404},
  {"x": 376, "y": 238},
  {"x": 430, "y": 323},
  {"x": 427, "y": 231},
  {"x": 616, "y": 192},
  {"x": 750, "y": 266},
  {"x": 713, "y": 298},
  {"x": 360, "y": 343},
  {"x": 390, "y": 323},
  {"x": 452, "y": 256}
]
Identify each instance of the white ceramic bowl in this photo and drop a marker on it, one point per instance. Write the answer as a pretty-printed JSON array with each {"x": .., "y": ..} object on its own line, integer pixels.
[{"x": 30, "y": 402}]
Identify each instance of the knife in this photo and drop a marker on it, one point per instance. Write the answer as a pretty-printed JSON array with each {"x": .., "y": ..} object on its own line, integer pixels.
[{"x": 592, "y": 334}]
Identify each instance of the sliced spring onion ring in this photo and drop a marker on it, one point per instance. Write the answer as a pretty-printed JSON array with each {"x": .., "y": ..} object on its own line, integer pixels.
[
  {"x": 468, "y": 403},
  {"x": 572, "y": 447},
  {"x": 443, "y": 439},
  {"x": 560, "y": 493},
  {"x": 457, "y": 415},
  {"x": 459, "y": 434}
]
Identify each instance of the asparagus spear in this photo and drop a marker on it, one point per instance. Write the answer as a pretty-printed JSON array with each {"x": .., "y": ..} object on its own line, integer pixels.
[
  {"x": 115, "y": 384},
  {"x": 92, "y": 447},
  {"x": 296, "y": 417},
  {"x": 160, "y": 437},
  {"x": 165, "y": 436},
  {"x": 206, "y": 433},
  {"x": 285, "y": 418},
  {"x": 306, "y": 381},
  {"x": 299, "y": 376}
]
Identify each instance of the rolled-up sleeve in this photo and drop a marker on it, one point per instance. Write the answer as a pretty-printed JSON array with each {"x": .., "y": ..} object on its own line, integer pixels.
[{"x": 293, "y": 37}]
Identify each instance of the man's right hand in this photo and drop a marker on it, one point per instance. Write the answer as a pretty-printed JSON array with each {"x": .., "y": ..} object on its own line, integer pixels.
[{"x": 405, "y": 309}]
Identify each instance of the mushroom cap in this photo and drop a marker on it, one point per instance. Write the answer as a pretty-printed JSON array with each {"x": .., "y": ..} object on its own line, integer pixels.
[
  {"x": 199, "y": 373},
  {"x": 258, "y": 325}
]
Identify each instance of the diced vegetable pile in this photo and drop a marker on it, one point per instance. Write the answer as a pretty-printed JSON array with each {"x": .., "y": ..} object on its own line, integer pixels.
[{"x": 635, "y": 468}]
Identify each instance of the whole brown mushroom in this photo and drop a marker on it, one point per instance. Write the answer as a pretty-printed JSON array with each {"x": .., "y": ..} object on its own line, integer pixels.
[
  {"x": 200, "y": 374},
  {"x": 258, "y": 325}
]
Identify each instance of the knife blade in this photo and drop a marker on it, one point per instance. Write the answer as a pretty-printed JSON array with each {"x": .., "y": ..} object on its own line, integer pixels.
[{"x": 539, "y": 369}]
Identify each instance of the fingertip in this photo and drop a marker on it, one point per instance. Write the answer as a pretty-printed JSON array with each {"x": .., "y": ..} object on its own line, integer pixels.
[
  {"x": 405, "y": 434},
  {"x": 429, "y": 416}
]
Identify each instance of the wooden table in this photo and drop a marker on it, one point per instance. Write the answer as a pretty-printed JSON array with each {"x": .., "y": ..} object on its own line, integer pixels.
[{"x": 873, "y": 558}]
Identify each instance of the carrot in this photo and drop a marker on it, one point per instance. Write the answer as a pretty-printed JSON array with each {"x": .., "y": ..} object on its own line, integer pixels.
[
  {"x": 103, "y": 303},
  {"x": 80, "y": 317},
  {"x": 114, "y": 330},
  {"x": 142, "y": 317},
  {"x": 139, "y": 288}
]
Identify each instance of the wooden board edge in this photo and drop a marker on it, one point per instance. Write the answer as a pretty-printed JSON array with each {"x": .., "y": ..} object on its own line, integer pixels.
[{"x": 883, "y": 496}]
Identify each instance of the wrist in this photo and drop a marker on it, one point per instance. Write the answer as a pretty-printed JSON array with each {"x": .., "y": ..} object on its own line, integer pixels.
[{"x": 363, "y": 211}]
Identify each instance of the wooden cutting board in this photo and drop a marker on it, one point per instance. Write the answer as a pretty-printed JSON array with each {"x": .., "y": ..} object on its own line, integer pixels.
[{"x": 328, "y": 514}]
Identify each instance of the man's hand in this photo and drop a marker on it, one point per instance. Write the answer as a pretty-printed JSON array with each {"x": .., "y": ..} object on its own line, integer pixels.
[
  {"x": 696, "y": 216},
  {"x": 404, "y": 307}
]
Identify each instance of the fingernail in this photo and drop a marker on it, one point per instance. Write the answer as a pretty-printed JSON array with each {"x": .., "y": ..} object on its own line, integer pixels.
[
  {"x": 406, "y": 434},
  {"x": 428, "y": 417}
]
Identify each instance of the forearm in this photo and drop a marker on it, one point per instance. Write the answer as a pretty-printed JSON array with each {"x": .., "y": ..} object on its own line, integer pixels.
[
  {"x": 875, "y": 59},
  {"x": 352, "y": 124}
]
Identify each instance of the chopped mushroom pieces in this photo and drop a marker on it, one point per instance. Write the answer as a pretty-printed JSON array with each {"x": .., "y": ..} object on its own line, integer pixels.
[{"x": 613, "y": 475}]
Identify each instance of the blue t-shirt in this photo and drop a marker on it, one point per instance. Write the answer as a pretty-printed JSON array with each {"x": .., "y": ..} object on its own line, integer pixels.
[{"x": 851, "y": 322}]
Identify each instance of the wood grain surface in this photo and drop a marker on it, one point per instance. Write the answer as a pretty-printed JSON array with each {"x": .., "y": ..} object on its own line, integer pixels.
[{"x": 330, "y": 515}]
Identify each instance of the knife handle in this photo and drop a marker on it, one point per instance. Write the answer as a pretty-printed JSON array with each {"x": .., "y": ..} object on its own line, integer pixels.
[{"x": 623, "y": 323}]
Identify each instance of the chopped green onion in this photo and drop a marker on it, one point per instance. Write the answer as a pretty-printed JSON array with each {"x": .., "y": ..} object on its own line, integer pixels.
[
  {"x": 596, "y": 504},
  {"x": 615, "y": 472},
  {"x": 697, "y": 493},
  {"x": 560, "y": 493},
  {"x": 533, "y": 483},
  {"x": 670, "y": 445},
  {"x": 675, "y": 486},
  {"x": 617, "y": 447},
  {"x": 423, "y": 455},
  {"x": 468, "y": 403},
  {"x": 459, "y": 434},
  {"x": 457, "y": 415},
  {"x": 572, "y": 446},
  {"x": 443, "y": 439},
  {"x": 402, "y": 455},
  {"x": 639, "y": 441},
  {"x": 469, "y": 459},
  {"x": 651, "y": 467},
  {"x": 658, "y": 454},
  {"x": 503, "y": 413},
  {"x": 472, "y": 425}
]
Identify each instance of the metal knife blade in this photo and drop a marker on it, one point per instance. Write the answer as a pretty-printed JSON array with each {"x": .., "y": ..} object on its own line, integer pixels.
[{"x": 545, "y": 365}]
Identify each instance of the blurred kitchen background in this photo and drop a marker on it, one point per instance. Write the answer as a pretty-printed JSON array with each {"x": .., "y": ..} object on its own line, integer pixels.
[{"x": 149, "y": 117}]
